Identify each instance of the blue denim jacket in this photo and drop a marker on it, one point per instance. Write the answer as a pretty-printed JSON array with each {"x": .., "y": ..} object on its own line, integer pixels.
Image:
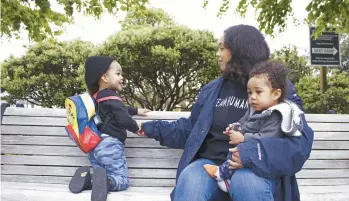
[{"x": 261, "y": 155}]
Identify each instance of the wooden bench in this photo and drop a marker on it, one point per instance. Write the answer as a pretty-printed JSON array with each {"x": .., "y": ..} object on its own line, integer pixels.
[{"x": 38, "y": 159}]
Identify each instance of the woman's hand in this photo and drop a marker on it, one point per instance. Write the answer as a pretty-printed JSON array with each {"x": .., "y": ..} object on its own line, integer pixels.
[
  {"x": 235, "y": 162},
  {"x": 140, "y": 132},
  {"x": 235, "y": 137}
]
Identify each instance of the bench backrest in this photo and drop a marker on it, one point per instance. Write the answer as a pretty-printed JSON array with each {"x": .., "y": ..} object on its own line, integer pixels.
[{"x": 36, "y": 149}]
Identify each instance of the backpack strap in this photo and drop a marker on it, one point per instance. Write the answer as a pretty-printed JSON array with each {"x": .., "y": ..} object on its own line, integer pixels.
[
  {"x": 109, "y": 117},
  {"x": 109, "y": 98},
  {"x": 106, "y": 98}
]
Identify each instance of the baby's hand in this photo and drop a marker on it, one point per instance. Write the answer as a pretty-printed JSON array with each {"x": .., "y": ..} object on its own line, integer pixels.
[
  {"x": 235, "y": 137},
  {"x": 228, "y": 129},
  {"x": 142, "y": 112},
  {"x": 234, "y": 127}
]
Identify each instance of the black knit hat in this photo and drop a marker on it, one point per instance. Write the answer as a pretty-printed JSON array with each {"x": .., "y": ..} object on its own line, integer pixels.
[{"x": 95, "y": 67}]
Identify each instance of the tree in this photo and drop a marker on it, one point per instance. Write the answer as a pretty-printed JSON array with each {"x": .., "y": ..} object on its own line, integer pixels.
[
  {"x": 296, "y": 64},
  {"x": 47, "y": 74},
  {"x": 152, "y": 17},
  {"x": 335, "y": 98},
  {"x": 273, "y": 14},
  {"x": 41, "y": 20},
  {"x": 164, "y": 65}
]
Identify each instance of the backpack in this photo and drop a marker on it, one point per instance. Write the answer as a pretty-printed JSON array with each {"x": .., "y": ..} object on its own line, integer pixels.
[{"x": 84, "y": 121}]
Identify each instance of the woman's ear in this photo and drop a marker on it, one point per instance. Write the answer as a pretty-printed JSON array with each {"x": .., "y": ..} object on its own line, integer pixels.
[{"x": 277, "y": 94}]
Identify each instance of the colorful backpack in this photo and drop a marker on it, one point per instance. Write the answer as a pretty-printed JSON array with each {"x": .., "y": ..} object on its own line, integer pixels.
[{"x": 84, "y": 121}]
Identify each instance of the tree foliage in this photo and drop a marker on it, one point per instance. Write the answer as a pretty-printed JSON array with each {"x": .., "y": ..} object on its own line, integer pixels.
[
  {"x": 273, "y": 14},
  {"x": 164, "y": 64},
  {"x": 296, "y": 64},
  {"x": 152, "y": 17},
  {"x": 41, "y": 20},
  {"x": 47, "y": 74},
  {"x": 345, "y": 53},
  {"x": 335, "y": 98}
]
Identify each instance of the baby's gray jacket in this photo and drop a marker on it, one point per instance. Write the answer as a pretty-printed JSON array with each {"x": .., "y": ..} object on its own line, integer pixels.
[{"x": 274, "y": 122}]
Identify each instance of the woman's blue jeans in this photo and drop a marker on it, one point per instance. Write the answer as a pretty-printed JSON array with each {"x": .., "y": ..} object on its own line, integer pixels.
[{"x": 194, "y": 184}]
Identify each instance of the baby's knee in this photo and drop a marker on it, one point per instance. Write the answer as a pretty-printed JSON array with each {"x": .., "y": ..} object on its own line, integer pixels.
[{"x": 118, "y": 183}]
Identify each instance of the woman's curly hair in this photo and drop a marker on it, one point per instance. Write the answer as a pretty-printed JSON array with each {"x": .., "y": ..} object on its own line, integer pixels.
[
  {"x": 276, "y": 74},
  {"x": 248, "y": 47}
]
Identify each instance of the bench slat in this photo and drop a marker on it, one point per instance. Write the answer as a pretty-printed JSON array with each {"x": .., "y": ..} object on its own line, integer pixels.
[
  {"x": 327, "y": 118},
  {"x": 35, "y": 179},
  {"x": 65, "y": 180},
  {"x": 325, "y": 189},
  {"x": 150, "y": 153},
  {"x": 324, "y": 197},
  {"x": 58, "y": 192},
  {"x": 132, "y": 142},
  {"x": 332, "y": 154},
  {"x": 44, "y": 131},
  {"x": 139, "y": 152},
  {"x": 328, "y": 164},
  {"x": 32, "y": 130},
  {"x": 323, "y": 182},
  {"x": 43, "y": 112},
  {"x": 319, "y": 136},
  {"x": 330, "y": 145},
  {"x": 83, "y": 161},
  {"x": 154, "y": 182},
  {"x": 344, "y": 127},
  {"x": 151, "y": 173},
  {"x": 69, "y": 171},
  {"x": 53, "y": 121},
  {"x": 61, "y": 193},
  {"x": 42, "y": 150},
  {"x": 60, "y": 131},
  {"x": 39, "y": 121},
  {"x": 66, "y": 141},
  {"x": 323, "y": 173},
  {"x": 49, "y": 112}
]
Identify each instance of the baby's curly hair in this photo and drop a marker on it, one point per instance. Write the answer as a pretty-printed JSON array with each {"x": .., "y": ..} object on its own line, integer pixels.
[{"x": 275, "y": 72}]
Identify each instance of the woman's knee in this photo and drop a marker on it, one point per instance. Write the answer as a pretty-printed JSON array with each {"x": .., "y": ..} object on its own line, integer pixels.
[
  {"x": 245, "y": 185},
  {"x": 195, "y": 184},
  {"x": 193, "y": 175}
]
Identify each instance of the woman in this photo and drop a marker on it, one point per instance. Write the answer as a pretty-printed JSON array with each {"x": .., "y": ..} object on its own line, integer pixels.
[{"x": 265, "y": 168}]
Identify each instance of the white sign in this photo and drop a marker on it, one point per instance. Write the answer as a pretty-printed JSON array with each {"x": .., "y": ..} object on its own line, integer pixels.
[{"x": 325, "y": 50}]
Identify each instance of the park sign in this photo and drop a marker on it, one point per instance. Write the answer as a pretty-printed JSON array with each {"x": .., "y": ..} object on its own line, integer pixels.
[{"x": 324, "y": 51}]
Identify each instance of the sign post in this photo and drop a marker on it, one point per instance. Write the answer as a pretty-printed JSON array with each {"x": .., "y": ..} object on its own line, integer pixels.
[{"x": 323, "y": 79}]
